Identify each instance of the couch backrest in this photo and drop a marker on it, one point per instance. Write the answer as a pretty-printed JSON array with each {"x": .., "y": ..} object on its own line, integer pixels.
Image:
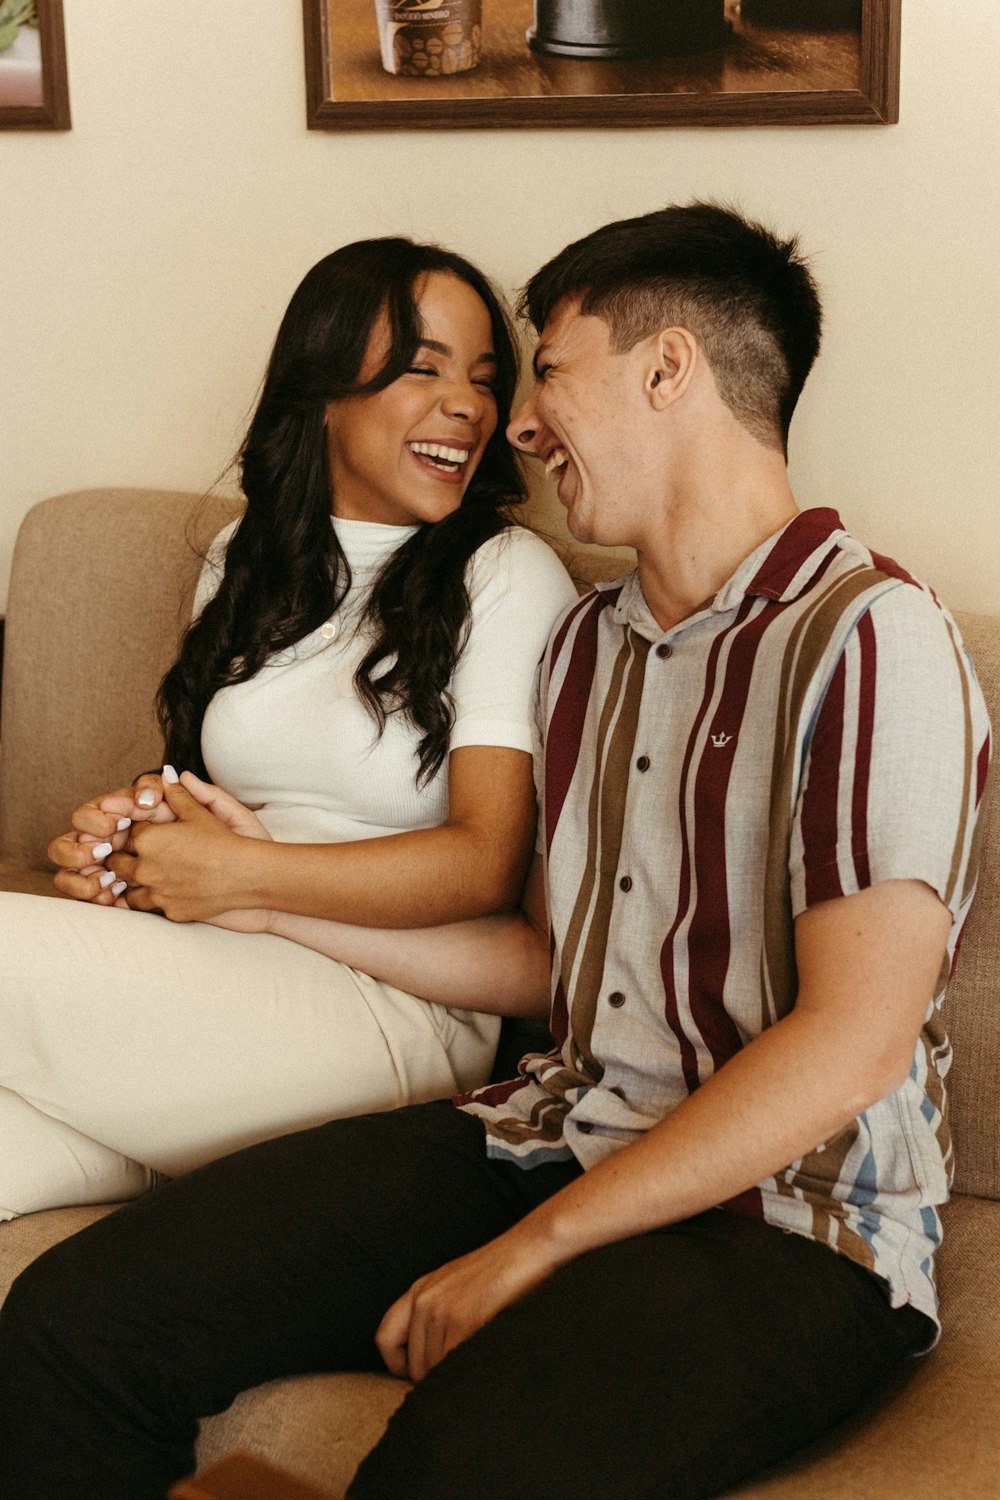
[{"x": 100, "y": 592}]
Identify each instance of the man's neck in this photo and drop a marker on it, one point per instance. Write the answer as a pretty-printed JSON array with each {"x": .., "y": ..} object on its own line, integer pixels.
[{"x": 704, "y": 536}]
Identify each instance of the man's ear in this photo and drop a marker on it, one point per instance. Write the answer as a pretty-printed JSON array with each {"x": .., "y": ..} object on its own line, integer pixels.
[{"x": 673, "y": 356}]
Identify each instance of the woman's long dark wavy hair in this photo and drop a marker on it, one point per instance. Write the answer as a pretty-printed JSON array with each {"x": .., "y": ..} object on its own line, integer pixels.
[{"x": 285, "y": 572}]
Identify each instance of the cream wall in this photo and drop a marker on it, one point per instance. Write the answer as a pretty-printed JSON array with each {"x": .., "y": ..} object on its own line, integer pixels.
[{"x": 148, "y": 253}]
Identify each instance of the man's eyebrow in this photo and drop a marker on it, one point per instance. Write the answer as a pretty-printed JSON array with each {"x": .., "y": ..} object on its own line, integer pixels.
[{"x": 489, "y": 358}]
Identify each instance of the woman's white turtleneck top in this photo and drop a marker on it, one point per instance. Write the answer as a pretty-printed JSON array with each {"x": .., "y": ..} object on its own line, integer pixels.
[{"x": 296, "y": 743}]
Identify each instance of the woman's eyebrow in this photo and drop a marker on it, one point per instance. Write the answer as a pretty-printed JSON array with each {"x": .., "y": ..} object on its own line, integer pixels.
[{"x": 489, "y": 358}]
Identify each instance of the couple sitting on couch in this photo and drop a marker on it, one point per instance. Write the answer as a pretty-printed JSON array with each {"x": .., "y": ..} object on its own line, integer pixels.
[{"x": 760, "y": 762}]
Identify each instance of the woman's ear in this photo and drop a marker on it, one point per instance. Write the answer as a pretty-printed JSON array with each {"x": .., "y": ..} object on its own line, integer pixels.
[{"x": 673, "y": 355}]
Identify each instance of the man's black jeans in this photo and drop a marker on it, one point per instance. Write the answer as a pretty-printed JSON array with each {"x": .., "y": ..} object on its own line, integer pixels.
[{"x": 671, "y": 1364}]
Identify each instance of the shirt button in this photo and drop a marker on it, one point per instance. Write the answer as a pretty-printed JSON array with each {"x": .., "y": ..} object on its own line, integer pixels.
[
  {"x": 625, "y": 884},
  {"x": 616, "y": 998},
  {"x": 328, "y": 630},
  {"x": 642, "y": 764},
  {"x": 663, "y": 651}
]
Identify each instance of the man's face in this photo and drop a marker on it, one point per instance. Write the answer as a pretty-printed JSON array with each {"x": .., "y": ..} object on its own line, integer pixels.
[{"x": 581, "y": 421}]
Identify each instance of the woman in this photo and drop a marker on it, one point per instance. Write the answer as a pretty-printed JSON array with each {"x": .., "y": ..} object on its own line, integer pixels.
[{"x": 365, "y": 684}]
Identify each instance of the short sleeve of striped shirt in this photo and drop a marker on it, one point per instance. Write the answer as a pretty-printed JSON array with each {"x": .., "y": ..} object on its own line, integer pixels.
[{"x": 895, "y": 760}]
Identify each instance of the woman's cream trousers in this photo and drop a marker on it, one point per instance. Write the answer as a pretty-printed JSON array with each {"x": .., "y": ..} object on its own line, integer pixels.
[{"x": 131, "y": 1045}]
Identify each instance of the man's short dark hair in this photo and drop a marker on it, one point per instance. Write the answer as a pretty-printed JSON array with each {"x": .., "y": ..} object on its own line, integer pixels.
[{"x": 747, "y": 296}]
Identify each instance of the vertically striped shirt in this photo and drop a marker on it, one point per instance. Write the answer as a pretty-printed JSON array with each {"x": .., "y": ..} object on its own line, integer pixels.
[{"x": 812, "y": 730}]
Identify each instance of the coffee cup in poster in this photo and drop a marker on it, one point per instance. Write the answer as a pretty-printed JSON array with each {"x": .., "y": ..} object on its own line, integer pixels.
[{"x": 429, "y": 38}]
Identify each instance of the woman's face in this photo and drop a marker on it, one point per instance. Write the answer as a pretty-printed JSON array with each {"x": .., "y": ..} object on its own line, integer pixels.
[{"x": 406, "y": 454}]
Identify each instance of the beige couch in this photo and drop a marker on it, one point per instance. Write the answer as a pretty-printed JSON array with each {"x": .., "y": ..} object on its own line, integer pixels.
[{"x": 101, "y": 586}]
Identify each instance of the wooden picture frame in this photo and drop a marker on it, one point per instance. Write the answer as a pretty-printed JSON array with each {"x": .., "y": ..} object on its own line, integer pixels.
[
  {"x": 34, "y": 88},
  {"x": 347, "y": 89}
]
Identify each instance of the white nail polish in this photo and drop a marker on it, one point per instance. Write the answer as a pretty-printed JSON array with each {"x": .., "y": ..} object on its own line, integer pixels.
[
  {"x": 170, "y": 776},
  {"x": 101, "y": 851},
  {"x": 106, "y": 879},
  {"x": 123, "y": 823},
  {"x": 146, "y": 799},
  {"x": 118, "y": 887}
]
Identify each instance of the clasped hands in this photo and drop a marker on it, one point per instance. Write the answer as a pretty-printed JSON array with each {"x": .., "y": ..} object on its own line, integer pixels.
[
  {"x": 165, "y": 845},
  {"x": 168, "y": 845}
]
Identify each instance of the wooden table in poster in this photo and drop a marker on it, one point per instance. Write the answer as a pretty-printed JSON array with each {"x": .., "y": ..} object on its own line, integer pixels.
[{"x": 757, "y": 59}]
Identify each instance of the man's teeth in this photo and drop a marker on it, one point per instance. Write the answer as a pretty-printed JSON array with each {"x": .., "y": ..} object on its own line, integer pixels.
[
  {"x": 440, "y": 454},
  {"x": 556, "y": 459}
]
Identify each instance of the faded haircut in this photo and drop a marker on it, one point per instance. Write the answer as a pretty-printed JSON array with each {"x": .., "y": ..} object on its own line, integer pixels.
[{"x": 747, "y": 296}]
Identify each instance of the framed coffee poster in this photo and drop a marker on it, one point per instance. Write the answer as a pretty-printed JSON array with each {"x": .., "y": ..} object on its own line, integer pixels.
[{"x": 384, "y": 64}]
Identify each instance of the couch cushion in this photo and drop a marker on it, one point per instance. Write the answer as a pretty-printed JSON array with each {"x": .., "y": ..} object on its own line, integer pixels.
[{"x": 14, "y": 877}]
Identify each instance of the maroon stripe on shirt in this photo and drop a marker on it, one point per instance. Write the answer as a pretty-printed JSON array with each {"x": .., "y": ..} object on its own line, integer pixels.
[
  {"x": 709, "y": 937},
  {"x": 809, "y": 530},
  {"x": 671, "y": 1008},
  {"x": 982, "y": 767},
  {"x": 892, "y": 569},
  {"x": 565, "y": 726},
  {"x": 493, "y": 1093}
]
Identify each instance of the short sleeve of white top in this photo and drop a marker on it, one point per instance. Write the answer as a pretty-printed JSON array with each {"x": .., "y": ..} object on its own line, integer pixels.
[{"x": 297, "y": 745}]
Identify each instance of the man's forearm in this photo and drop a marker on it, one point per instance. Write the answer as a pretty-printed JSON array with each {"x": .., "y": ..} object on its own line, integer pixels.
[
  {"x": 867, "y": 965},
  {"x": 497, "y": 964}
]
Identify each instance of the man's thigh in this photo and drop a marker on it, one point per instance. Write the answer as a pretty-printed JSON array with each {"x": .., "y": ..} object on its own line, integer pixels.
[
  {"x": 668, "y": 1365},
  {"x": 278, "y": 1260}
]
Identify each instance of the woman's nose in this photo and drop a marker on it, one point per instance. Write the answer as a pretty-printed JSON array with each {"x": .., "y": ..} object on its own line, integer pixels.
[
  {"x": 466, "y": 403},
  {"x": 522, "y": 429}
]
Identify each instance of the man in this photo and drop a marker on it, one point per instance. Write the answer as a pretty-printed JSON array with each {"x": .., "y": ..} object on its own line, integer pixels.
[{"x": 702, "y": 1228}]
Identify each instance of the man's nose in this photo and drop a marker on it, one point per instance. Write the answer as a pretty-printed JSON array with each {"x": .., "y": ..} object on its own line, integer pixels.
[{"x": 522, "y": 429}]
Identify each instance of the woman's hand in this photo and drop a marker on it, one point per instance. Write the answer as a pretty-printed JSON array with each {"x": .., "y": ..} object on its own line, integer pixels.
[
  {"x": 101, "y": 827},
  {"x": 239, "y": 819},
  {"x": 181, "y": 868}
]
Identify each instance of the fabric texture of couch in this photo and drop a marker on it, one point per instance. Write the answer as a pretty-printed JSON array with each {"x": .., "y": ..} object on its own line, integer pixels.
[{"x": 100, "y": 590}]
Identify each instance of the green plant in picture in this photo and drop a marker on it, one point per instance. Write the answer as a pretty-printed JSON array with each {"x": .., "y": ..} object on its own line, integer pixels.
[{"x": 13, "y": 15}]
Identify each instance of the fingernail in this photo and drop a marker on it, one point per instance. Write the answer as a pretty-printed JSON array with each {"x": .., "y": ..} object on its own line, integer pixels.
[
  {"x": 118, "y": 887},
  {"x": 146, "y": 799},
  {"x": 100, "y": 851},
  {"x": 123, "y": 823},
  {"x": 106, "y": 879},
  {"x": 170, "y": 776}
]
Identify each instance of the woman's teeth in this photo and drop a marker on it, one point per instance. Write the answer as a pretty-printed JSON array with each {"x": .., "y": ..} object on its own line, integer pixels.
[
  {"x": 449, "y": 459},
  {"x": 556, "y": 460}
]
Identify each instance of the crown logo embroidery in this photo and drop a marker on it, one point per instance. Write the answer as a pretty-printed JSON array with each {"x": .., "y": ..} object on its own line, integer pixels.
[{"x": 721, "y": 740}]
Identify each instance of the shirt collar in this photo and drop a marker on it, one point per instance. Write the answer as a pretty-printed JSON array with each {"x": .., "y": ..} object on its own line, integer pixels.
[{"x": 780, "y": 569}]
